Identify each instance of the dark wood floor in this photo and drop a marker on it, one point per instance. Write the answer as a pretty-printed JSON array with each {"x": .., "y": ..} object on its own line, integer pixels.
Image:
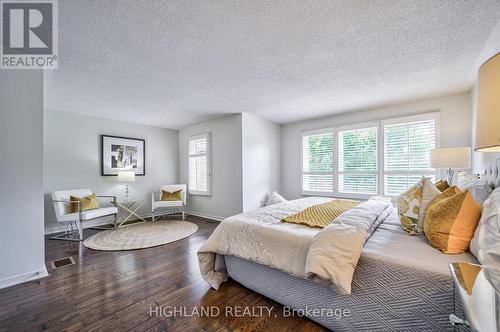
[{"x": 115, "y": 291}]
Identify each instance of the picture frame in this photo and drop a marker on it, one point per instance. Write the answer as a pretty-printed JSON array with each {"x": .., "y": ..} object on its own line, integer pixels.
[{"x": 120, "y": 153}]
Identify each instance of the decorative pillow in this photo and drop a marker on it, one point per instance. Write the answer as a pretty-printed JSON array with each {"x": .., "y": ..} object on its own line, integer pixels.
[
  {"x": 89, "y": 202},
  {"x": 413, "y": 204},
  {"x": 275, "y": 198},
  {"x": 429, "y": 193},
  {"x": 409, "y": 208},
  {"x": 442, "y": 185},
  {"x": 486, "y": 242},
  {"x": 451, "y": 221},
  {"x": 168, "y": 196},
  {"x": 479, "y": 189},
  {"x": 463, "y": 178}
]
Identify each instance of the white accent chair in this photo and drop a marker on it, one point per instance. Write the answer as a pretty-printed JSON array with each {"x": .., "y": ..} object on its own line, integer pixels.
[
  {"x": 61, "y": 201},
  {"x": 157, "y": 205}
]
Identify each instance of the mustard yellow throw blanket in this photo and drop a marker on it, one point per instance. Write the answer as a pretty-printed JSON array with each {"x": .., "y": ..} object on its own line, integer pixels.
[{"x": 321, "y": 215}]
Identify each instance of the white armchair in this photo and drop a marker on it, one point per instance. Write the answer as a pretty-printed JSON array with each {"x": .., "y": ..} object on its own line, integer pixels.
[
  {"x": 61, "y": 201},
  {"x": 157, "y": 205}
]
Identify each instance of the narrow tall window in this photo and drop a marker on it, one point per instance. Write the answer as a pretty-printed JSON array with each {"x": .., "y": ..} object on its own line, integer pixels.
[
  {"x": 317, "y": 162},
  {"x": 407, "y": 146},
  {"x": 357, "y": 160},
  {"x": 199, "y": 164}
]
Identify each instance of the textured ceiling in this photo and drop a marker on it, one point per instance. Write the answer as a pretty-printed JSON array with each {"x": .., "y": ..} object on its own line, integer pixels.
[{"x": 173, "y": 63}]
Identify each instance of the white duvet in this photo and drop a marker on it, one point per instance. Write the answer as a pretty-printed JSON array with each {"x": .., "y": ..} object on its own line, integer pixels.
[{"x": 328, "y": 256}]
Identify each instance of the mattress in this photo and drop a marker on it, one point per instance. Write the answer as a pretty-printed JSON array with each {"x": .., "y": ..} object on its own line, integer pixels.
[{"x": 400, "y": 283}]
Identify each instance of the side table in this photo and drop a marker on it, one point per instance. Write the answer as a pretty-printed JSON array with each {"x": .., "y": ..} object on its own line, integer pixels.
[
  {"x": 479, "y": 298},
  {"x": 127, "y": 210}
]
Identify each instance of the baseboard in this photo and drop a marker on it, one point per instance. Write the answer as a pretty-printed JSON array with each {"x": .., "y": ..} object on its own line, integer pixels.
[
  {"x": 204, "y": 215},
  {"x": 58, "y": 227},
  {"x": 19, "y": 279},
  {"x": 61, "y": 227}
]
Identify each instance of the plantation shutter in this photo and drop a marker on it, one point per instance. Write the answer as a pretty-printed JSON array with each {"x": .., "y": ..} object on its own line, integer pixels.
[
  {"x": 357, "y": 160},
  {"x": 317, "y": 162},
  {"x": 199, "y": 172},
  {"x": 407, "y": 146}
]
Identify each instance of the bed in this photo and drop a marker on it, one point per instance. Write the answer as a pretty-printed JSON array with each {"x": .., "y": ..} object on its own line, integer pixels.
[{"x": 399, "y": 283}]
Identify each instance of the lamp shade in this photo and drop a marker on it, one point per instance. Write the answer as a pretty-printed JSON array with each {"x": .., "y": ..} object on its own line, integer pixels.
[
  {"x": 126, "y": 176},
  {"x": 451, "y": 157},
  {"x": 488, "y": 107}
]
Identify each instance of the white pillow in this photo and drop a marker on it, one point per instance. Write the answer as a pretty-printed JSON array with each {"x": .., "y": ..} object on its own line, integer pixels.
[
  {"x": 275, "y": 198},
  {"x": 463, "y": 178},
  {"x": 485, "y": 244},
  {"x": 479, "y": 189},
  {"x": 429, "y": 192}
]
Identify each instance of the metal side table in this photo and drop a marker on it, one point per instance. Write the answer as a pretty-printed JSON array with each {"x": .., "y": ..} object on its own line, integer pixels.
[
  {"x": 127, "y": 211},
  {"x": 479, "y": 298}
]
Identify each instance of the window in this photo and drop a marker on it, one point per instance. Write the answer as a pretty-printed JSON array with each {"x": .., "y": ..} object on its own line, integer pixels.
[
  {"x": 407, "y": 146},
  {"x": 317, "y": 161},
  {"x": 357, "y": 159},
  {"x": 381, "y": 157},
  {"x": 199, "y": 164}
]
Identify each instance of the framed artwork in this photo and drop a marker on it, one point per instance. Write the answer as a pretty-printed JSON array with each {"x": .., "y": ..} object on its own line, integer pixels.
[{"x": 122, "y": 153}]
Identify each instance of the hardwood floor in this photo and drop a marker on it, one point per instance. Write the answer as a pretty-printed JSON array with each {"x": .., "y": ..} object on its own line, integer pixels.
[{"x": 119, "y": 291}]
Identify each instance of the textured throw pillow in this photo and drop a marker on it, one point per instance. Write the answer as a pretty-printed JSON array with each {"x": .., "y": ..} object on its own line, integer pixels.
[
  {"x": 409, "y": 208},
  {"x": 89, "y": 202},
  {"x": 442, "y": 185},
  {"x": 275, "y": 198},
  {"x": 451, "y": 221},
  {"x": 168, "y": 196}
]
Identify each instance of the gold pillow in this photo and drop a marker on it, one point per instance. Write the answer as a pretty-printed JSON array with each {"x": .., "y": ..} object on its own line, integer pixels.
[
  {"x": 451, "y": 221},
  {"x": 168, "y": 196},
  {"x": 409, "y": 208},
  {"x": 442, "y": 185},
  {"x": 89, "y": 202}
]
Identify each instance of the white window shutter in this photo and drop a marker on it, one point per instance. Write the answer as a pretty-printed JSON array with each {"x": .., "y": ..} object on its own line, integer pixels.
[
  {"x": 407, "y": 146},
  {"x": 199, "y": 164},
  {"x": 357, "y": 160},
  {"x": 317, "y": 162}
]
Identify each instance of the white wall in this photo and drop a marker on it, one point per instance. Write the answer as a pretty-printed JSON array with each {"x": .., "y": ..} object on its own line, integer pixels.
[
  {"x": 226, "y": 198},
  {"x": 261, "y": 160},
  {"x": 72, "y": 158},
  {"x": 21, "y": 171},
  {"x": 455, "y": 130}
]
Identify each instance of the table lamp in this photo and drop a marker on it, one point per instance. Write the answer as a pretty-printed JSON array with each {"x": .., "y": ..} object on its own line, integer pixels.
[
  {"x": 450, "y": 159},
  {"x": 488, "y": 106},
  {"x": 126, "y": 177}
]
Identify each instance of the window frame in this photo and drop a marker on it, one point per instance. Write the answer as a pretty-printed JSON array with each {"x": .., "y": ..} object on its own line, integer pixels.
[
  {"x": 379, "y": 124},
  {"x": 208, "y": 154}
]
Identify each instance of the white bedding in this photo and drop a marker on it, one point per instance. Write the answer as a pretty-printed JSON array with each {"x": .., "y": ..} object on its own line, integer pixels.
[{"x": 327, "y": 255}]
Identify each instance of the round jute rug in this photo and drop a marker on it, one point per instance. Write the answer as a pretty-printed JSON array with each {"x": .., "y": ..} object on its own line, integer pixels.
[{"x": 139, "y": 236}]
